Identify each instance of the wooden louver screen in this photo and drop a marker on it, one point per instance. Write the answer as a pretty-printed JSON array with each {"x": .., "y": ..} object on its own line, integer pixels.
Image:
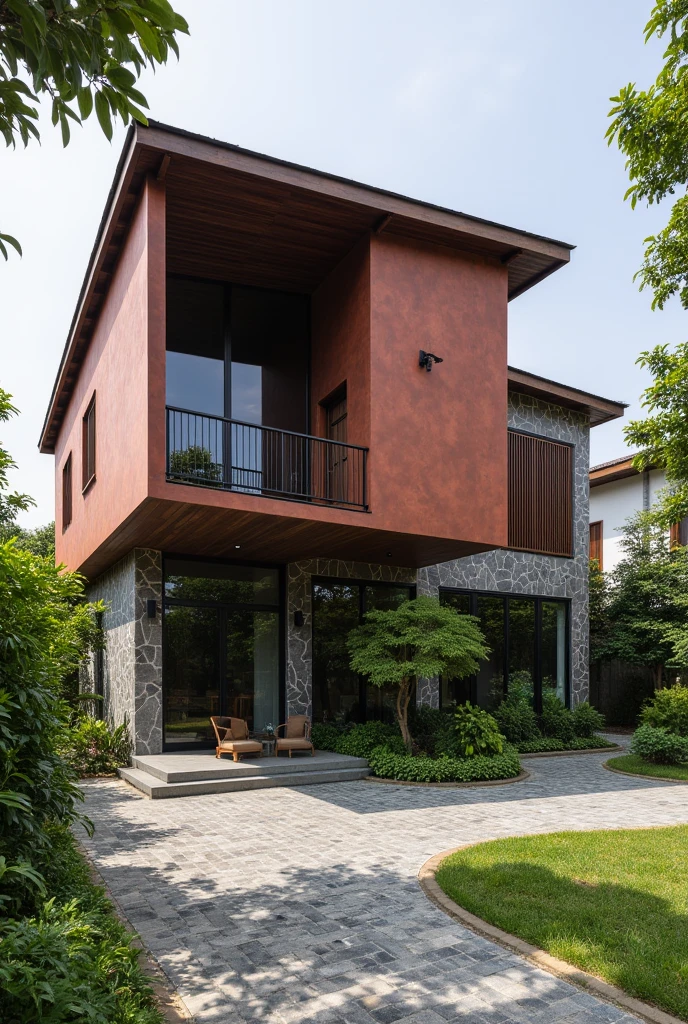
[
  {"x": 596, "y": 543},
  {"x": 540, "y": 497}
]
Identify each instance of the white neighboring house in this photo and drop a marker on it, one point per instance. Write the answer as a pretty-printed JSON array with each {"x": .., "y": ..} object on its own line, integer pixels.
[{"x": 617, "y": 491}]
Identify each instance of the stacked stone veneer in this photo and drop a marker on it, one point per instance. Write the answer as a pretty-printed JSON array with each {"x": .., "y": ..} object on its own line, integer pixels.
[{"x": 132, "y": 661}]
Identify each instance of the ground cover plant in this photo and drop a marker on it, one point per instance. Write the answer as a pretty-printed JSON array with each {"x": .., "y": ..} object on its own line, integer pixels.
[
  {"x": 614, "y": 903},
  {"x": 636, "y": 765}
]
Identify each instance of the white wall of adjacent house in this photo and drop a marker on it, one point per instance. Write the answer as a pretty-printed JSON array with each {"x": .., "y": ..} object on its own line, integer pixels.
[{"x": 613, "y": 503}]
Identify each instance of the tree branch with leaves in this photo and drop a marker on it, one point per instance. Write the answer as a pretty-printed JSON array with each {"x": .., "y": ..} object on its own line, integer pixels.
[{"x": 84, "y": 55}]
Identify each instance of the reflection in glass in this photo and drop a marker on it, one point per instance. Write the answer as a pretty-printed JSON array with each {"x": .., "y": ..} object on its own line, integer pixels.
[
  {"x": 213, "y": 581},
  {"x": 253, "y": 668},
  {"x": 490, "y": 678},
  {"x": 336, "y": 691},
  {"x": 554, "y": 647},
  {"x": 195, "y": 346},
  {"x": 522, "y": 646},
  {"x": 455, "y": 690},
  {"x": 190, "y": 671},
  {"x": 381, "y": 701}
]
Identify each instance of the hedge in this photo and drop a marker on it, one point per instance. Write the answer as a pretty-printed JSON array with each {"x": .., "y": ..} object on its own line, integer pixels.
[{"x": 405, "y": 768}]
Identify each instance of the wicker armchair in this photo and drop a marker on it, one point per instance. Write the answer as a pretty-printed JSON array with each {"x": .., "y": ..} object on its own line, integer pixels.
[
  {"x": 297, "y": 735},
  {"x": 232, "y": 737}
]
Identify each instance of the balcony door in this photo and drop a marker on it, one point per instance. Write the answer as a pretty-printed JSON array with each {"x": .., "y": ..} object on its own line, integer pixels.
[{"x": 336, "y": 478}]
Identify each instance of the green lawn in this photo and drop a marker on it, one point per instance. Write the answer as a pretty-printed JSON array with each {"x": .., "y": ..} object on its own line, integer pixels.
[
  {"x": 634, "y": 764},
  {"x": 613, "y": 903}
]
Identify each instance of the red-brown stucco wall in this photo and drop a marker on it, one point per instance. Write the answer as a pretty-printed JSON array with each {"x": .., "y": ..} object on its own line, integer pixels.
[
  {"x": 438, "y": 442},
  {"x": 340, "y": 343},
  {"x": 116, "y": 369}
]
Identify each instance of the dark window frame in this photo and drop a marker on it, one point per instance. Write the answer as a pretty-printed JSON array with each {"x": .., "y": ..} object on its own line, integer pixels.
[
  {"x": 88, "y": 445},
  {"x": 538, "y": 600},
  {"x": 279, "y": 609},
  {"x": 570, "y": 553},
  {"x": 67, "y": 493}
]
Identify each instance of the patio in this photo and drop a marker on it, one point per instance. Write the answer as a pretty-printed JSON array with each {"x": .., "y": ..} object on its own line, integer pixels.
[{"x": 302, "y": 904}]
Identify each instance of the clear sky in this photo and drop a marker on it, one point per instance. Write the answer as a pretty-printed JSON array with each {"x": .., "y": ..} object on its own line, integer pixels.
[{"x": 497, "y": 110}]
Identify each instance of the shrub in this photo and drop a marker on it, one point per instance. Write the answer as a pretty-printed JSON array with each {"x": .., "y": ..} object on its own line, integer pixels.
[
  {"x": 668, "y": 709},
  {"x": 659, "y": 745},
  {"x": 91, "y": 747},
  {"x": 72, "y": 961},
  {"x": 555, "y": 720},
  {"x": 546, "y": 744},
  {"x": 362, "y": 739},
  {"x": 406, "y": 768},
  {"x": 587, "y": 720},
  {"x": 325, "y": 736},
  {"x": 477, "y": 731},
  {"x": 516, "y": 718}
]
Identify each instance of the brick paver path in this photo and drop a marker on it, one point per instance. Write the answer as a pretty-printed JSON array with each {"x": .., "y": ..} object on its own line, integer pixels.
[{"x": 302, "y": 905}]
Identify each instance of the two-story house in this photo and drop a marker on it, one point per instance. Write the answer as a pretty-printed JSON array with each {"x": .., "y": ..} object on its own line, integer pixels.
[{"x": 285, "y": 400}]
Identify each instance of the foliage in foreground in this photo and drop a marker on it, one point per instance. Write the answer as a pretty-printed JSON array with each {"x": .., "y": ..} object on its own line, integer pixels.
[
  {"x": 407, "y": 768},
  {"x": 72, "y": 961},
  {"x": 421, "y": 639},
  {"x": 610, "y": 902},
  {"x": 84, "y": 55},
  {"x": 636, "y": 765},
  {"x": 668, "y": 709},
  {"x": 92, "y": 747}
]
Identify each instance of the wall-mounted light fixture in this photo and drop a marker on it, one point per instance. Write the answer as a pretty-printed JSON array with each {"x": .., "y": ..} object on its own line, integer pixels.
[
  {"x": 426, "y": 359},
  {"x": 151, "y": 608},
  {"x": 298, "y": 619}
]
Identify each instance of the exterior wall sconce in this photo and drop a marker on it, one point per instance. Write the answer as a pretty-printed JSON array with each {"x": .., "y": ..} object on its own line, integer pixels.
[
  {"x": 298, "y": 619},
  {"x": 151, "y": 608},
  {"x": 426, "y": 359}
]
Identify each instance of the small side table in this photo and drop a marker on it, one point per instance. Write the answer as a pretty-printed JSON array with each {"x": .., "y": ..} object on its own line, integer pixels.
[{"x": 268, "y": 747}]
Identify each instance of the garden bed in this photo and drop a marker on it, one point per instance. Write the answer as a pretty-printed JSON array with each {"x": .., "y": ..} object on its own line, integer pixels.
[
  {"x": 632, "y": 764},
  {"x": 580, "y": 745},
  {"x": 612, "y": 903}
]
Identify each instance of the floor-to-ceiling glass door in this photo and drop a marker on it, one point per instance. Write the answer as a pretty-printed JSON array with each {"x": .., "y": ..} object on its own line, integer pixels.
[
  {"x": 528, "y": 639},
  {"x": 221, "y": 648},
  {"x": 340, "y": 695}
]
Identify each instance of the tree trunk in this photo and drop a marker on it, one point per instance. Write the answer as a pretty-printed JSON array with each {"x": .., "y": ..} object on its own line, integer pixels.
[
  {"x": 658, "y": 674},
  {"x": 403, "y": 699}
]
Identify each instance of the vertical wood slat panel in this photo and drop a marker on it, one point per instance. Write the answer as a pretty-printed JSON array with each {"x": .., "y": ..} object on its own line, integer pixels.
[{"x": 540, "y": 495}]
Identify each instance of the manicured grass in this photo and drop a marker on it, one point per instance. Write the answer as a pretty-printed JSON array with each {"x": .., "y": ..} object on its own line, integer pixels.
[
  {"x": 637, "y": 766},
  {"x": 612, "y": 903}
]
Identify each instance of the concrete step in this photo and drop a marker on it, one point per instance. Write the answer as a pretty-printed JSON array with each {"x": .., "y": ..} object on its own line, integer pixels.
[
  {"x": 173, "y": 768},
  {"x": 156, "y": 789}
]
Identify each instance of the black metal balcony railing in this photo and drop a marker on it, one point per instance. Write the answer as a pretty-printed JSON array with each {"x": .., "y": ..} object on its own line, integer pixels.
[{"x": 211, "y": 451}]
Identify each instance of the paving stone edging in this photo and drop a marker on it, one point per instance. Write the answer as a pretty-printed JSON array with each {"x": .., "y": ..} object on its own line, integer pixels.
[
  {"x": 537, "y": 957},
  {"x": 169, "y": 1003},
  {"x": 572, "y": 753},
  {"x": 636, "y": 775},
  {"x": 521, "y": 777}
]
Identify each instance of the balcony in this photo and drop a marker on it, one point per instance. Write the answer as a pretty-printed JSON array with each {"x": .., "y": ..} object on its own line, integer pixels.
[{"x": 231, "y": 455}]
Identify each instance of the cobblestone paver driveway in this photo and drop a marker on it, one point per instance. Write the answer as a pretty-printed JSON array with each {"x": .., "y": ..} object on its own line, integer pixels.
[{"x": 301, "y": 906}]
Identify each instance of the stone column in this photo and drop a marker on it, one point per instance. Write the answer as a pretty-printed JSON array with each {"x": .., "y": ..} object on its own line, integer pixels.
[
  {"x": 299, "y": 696},
  {"x": 428, "y": 585},
  {"x": 148, "y": 646}
]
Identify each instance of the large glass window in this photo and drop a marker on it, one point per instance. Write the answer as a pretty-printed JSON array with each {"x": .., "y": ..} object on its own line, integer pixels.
[
  {"x": 340, "y": 695},
  {"x": 528, "y": 641},
  {"x": 221, "y": 648}
]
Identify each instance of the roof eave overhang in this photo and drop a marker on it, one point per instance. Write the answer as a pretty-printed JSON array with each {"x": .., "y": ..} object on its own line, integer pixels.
[{"x": 599, "y": 410}]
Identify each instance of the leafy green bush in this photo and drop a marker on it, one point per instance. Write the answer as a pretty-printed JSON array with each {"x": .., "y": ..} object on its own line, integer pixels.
[
  {"x": 477, "y": 731},
  {"x": 659, "y": 745},
  {"x": 668, "y": 709},
  {"x": 362, "y": 739},
  {"x": 325, "y": 736},
  {"x": 587, "y": 720},
  {"x": 547, "y": 744},
  {"x": 555, "y": 719},
  {"x": 387, "y": 765},
  {"x": 516, "y": 718},
  {"x": 73, "y": 960},
  {"x": 92, "y": 747}
]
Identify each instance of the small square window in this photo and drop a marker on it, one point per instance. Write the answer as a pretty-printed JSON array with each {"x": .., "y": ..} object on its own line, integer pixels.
[{"x": 89, "y": 445}]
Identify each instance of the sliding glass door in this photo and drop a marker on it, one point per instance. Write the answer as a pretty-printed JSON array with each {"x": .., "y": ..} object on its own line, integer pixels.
[
  {"x": 221, "y": 648},
  {"x": 528, "y": 639}
]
